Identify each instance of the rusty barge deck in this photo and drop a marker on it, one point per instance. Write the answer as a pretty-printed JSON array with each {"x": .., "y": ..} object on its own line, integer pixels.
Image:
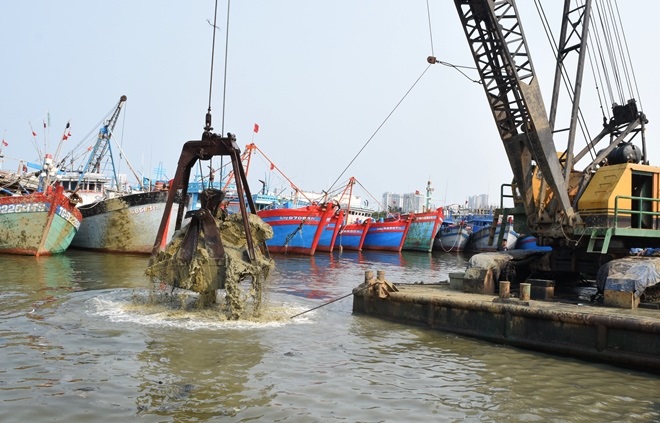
[{"x": 625, "y": 337}]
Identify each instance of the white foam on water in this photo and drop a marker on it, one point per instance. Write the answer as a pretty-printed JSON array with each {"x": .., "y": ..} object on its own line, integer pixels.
[{"x": 122, "y": 306}]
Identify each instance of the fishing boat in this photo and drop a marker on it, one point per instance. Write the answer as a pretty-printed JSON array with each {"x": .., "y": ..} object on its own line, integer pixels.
[
  {"x": 387, "y": 234},
  {"x": 357, "y": 220},
  {"x": 423, "y": 227},
  {"x": 351, "y": 236},
  {"x": 38, "y": 223},
  {"x": 116, "y": 217},
  {"x": 452, "y": 236},
  {"x": 124, "y": 224},
  {"x": 303, "y": 230},
  {"x": 481, "y": 240}
]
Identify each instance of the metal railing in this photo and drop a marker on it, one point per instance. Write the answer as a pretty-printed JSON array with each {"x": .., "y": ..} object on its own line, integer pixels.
[{"x": 631, "y": 212}]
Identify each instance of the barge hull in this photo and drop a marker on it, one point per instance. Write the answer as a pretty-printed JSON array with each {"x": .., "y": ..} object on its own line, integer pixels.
[{"x": 621, "y": 337}]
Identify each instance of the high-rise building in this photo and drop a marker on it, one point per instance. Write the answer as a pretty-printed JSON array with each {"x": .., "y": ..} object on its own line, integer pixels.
[
  {"x": 392, "y": 201},
  {"x": 478, "y": 201}
]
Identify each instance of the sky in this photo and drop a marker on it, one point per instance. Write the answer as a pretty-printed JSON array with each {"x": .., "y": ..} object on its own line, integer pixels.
[{"x": 323, "y": 80}]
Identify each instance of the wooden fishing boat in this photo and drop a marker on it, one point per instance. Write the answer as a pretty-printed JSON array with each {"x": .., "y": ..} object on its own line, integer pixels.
[
  {"x": 422, "y": 231},
  {"x": 351, "y": 236},
  {"x": 125, "y": 224},
  {"x": 38, "y": 223},
  {"x": 116, "y": 218},
  {"x": 452, "y": 236},
  {"x": 302, "y": 230},
  {"x": 480, "y": 241},
  {"x": 387, "y": 234}
]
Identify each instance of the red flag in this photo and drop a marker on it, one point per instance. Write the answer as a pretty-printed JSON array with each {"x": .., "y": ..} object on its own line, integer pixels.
[
  {"x": 34, "y": 134},
  {"x": 65, "y": 137},
  {"x": 5, "y": 143},
  {"x": 256, "y": 128},
  {"x": 272, "y": 166},
  {"x": 68, "y": 134}
]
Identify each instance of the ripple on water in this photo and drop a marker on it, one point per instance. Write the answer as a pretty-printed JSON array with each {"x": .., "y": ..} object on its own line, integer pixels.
[{"x": 139, "y": 307}]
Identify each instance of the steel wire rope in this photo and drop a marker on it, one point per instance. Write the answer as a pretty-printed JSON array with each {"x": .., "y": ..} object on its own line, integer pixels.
[
  {"x": 371, "y": 195},
  {"x": 380, "y": 126},
  {"x": 224, "y": 94},
  {"x": 632, "y": 69},
  {"x": 85, "y": 139},
  {"x": 428, "y": 13},
  {"x": 610, "y": 56},
  {"x": 598, "y": 52},
  {"x": 601, "y": 56},
  {"x": 598, "y": 78},
  {"x": 431, "y": 61},
  {"x": 619, "y": 49}
]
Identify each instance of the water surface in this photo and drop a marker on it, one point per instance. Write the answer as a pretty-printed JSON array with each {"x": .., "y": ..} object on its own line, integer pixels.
[{"x": 76, "y": 346}]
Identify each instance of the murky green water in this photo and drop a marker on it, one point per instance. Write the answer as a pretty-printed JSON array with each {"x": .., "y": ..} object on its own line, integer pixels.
[{"x": 76, "y": 348}]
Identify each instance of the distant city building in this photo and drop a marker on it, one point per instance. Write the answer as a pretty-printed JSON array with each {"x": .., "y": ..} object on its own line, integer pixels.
[
  {"x": 413, "y": 202},
  {"x": 478, "y": 201},
  {"x": 392, "y": 201}
]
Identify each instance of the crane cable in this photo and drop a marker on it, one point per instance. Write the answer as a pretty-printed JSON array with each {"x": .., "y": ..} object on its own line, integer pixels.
[
  {"x": 431, "y": 61},
  {"x": 428, "y": 14},
  {"x": 627, "y": 50},
  {"x": 379, "y": 127}
]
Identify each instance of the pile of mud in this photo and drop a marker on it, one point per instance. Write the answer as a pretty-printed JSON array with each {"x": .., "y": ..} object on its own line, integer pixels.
[{"x": 243, "y": 279}]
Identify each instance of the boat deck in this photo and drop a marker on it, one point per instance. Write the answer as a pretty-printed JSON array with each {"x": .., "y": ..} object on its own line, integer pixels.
[{"x": 626, "y": 337}]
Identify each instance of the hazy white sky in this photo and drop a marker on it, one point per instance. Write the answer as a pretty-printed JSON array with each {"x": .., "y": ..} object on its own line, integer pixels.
[{"x": 318, "y": 77}]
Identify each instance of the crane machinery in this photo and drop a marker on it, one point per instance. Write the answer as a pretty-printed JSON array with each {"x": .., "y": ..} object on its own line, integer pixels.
[
  {"x": 103, "y": 147},
  {"x": 588, "y": 216}
]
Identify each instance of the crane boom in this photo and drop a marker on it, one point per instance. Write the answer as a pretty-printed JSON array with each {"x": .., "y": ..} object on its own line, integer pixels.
[
  {"x": 496, "y": 39},
  {"x": 103, "y": 147},
  {"x": 587, "y": 216}
]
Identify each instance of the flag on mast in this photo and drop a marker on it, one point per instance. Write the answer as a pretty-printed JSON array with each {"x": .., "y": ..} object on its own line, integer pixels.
[{"x": 256, "y": 128}]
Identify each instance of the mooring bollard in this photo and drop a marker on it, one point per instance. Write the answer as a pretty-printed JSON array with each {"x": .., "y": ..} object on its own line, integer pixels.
[
  {"x": 368, "y": 276},
  {"x": 525, "y": 291},
  {"x": 505, "y": 289},
  {"x": 380, "y": 275}
]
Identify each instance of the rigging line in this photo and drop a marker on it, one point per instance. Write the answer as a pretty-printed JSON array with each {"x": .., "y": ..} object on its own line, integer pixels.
[
  {"x": 428, "y": 13},
  {"x": 121, "y": 152},
  {"x": 601, "y": 58},
  {"x": 380, "y": 126},
  {"x": 612, "y": 58},
  {"x": 224, "y": 89},
  {"x": 617, "y": 34},
  {"x": 599, "y": 62},
  {"x": 598, "y": 79},
  {"x": 612, "y": 54},
  {"x": 355, "y": 291},
  {"x": 371, "y": 195},
  {"x": 215, "y": 18},
  {"x": 632, "y": 69},
  {"x": 208, "y": 127},
  {"x": 458, "y": 68}
]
